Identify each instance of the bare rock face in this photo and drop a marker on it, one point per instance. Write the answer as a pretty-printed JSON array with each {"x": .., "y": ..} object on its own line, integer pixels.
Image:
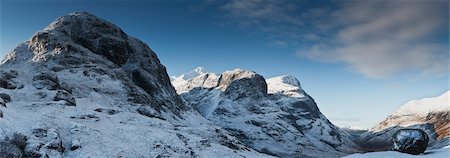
[
  {"x": 411, "y": 141},
  {"x": 240, "y": 84},
  {"x": 95, "y": 34}
]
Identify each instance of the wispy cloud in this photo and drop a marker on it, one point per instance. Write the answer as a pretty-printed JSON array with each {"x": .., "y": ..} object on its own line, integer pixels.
[
  {"x": 374, "y": 38},
  {"x": 285, "y": 21}
]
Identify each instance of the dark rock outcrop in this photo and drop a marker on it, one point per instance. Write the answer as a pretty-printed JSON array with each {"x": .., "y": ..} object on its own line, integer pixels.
[
  {"x": 6, "y": 79},
  {"x": 45, "y": 141},
  {"x": 66, "y": 96},
  {"x": 5, "y": 97},
  {"x": 241, "y": 84},
  {"x": 13, "y": 147},
  {"x": 48, "y": 80}
]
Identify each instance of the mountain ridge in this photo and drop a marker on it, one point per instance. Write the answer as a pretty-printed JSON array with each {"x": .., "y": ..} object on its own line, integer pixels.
[
  {"x": 262, "y": 113},
  {"x": 83, "y": 88}
]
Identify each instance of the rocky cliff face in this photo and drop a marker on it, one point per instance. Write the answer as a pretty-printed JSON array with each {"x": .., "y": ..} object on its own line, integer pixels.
[
  {"x": 83, "y": 88},
  {"x": 83, "y": 42},
  {"x": 275, "y": 117},
  {"x": 432, "y": 115}
]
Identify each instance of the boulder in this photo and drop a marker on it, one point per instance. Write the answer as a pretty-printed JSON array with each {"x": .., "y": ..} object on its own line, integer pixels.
[{"x": 411, "y": 141}]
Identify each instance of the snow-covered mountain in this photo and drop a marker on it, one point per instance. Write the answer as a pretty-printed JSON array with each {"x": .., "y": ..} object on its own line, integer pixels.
[
  {"x": 273, "y": 116},
  {"x": 198, "y": 77},
  {"x": 430, "y": 114},
  {"x": 83, "y": 88}
]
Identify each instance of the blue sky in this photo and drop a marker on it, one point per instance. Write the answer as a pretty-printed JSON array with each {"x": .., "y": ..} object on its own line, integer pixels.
[{"x": 360, "y": 60}]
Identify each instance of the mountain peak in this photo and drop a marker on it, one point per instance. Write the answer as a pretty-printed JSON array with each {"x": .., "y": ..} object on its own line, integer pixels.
[
  {"x": 240, "y": 82},
  {"x": 194, "y": 73},
  {"x": 200, "y": 69},
  {"x": 82, "y": 20},
  {"x": 76, "y": 32},
  {"x": 83, "y": 41},
  {"x": 287, "y": 85},
  {"x": 286, "y": 79}
]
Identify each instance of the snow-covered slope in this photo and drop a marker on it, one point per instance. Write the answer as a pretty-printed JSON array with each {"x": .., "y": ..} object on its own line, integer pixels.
[
  {"x": 274, "y": 116},
  {"x": 287, "y": 85},
  {"x": 430, "y": 114},
  {"x": 425, "y": 106},
  {"x": 83, "y": 88}
]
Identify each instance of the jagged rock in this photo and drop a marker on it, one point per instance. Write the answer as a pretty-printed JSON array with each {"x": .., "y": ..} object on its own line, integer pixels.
[
  {"x": 411, "y": 141},
  {"x": 6, "y": 79},
  {"x": 48, "y": 80},
  {"x": 13, "y": 147},
  {"x": 5, "y": 97},
  {"x": 8, "y": 150},
  {"x": 66, "y": 96},
  {"x": 45, "y": 141}
]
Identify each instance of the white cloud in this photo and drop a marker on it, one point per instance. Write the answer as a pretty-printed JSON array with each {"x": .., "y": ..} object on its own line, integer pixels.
[{"x": 376, "y": 38}]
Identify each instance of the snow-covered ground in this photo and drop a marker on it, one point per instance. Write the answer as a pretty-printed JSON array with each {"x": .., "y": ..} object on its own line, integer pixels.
[{"x": 435, "y": 153}]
